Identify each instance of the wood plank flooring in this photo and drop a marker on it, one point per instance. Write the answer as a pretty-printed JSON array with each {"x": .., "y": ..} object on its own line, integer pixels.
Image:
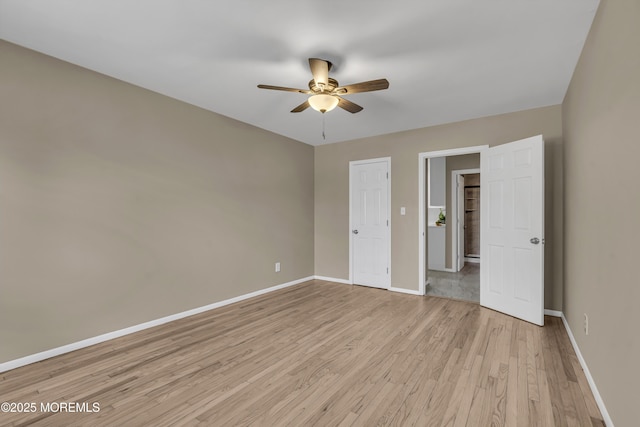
[{"x": 321, "y": 354}]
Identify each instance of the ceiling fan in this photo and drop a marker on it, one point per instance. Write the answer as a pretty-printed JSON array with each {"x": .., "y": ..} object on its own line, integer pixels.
[{"x": 326, "y": 93}]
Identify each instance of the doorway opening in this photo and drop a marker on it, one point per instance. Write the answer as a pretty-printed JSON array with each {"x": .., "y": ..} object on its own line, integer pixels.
[
  {"x": 465, "y": 216},
  {"x": 438, "y": 266},
  {"x": 462, "y": 279},
  {"x": 453, "y": 227},
  {"x": 471, "y": 235}
]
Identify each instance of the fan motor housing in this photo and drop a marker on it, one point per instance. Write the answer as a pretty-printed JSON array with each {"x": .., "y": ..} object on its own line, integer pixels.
[{"x": 330, "y": 87}]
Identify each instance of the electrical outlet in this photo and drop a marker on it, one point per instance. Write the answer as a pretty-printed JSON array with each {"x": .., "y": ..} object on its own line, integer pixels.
[
  {"x": 277, "y": 267},
  {"x": 586, "y": 324}
]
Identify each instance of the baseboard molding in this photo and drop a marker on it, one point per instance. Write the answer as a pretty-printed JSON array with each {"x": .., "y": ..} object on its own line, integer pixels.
[
  {"x": 333, "y": 279},
  {"x": 404, "y": 291},
  {"x": 346, "y": 282},
  {"x": 553, "y": 313},
  {"x": 13, "y": 364},
  {"x": 596, "y": 394}
]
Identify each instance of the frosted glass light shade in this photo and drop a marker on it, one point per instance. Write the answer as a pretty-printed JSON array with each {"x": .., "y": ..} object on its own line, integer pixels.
[{"x": 323, "y": 102}]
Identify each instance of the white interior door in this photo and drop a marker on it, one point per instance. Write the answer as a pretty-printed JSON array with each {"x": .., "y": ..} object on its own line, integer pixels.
[
  {"x": 370, "y": 223},
  {"x": 460, "y": 220},
  {"x": 512, "y": 229}
]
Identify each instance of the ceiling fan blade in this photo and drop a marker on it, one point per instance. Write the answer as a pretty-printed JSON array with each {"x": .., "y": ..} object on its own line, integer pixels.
[
  {"x": 320, "y": 70},
  {"x": 301, "y": 107},
  {"x": 287, "y": 89},
  {"x": 369, "y": 86},
  {"x": 348, "y": 105}
]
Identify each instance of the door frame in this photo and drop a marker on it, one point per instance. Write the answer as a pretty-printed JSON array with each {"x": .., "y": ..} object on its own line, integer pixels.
[
  {"x": 454, "y": 205},
  {"x": 361, "y": 162},
  {"x": 422, "y": 199}
]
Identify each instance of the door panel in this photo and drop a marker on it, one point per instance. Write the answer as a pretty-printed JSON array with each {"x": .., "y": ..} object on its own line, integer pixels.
[
  {"x": 512, "y": 276},
  {"x": 370, "y": 225}
]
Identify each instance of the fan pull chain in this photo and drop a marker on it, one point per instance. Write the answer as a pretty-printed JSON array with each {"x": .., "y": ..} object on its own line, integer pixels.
[{"x": 323, "y": 137}]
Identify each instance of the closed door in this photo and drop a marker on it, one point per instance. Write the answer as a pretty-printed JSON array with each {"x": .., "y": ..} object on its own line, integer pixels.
[
  {"x": 512, "y": 229},
  {"x": 370, "y": 235}
]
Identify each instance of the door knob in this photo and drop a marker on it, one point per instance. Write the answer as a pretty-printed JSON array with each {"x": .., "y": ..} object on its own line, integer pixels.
[
  {"x": 535, "y": 240},
  {"x": 354, "y": 231}
]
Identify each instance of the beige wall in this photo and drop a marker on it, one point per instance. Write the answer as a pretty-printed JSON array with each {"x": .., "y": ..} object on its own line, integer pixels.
[
  {"x": 467, "y": 161},
  {"x": 601, "y": 118},
  {"x": 119, "y": 205},
  {"x": 332, "y": 190}
]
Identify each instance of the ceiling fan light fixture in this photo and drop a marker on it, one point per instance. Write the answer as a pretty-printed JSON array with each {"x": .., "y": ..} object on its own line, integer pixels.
[
  {"x": 323, "y": 102},
  {"x": 325, "y": 92}
]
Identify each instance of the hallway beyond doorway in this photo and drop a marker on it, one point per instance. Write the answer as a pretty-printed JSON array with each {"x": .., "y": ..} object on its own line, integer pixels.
[{"x": 463, "y": 285}]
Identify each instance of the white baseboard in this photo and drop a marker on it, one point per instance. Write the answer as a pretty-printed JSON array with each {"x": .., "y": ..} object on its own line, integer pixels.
[
  {"x": 333, "y": 279},
  {"x": 405, "y": 291},
  {"x": 12, "y": 364},
  {"x": 596, "y": 394},
  {"x": 554, "y": 313},
  {"x": 346, "y": 282}
]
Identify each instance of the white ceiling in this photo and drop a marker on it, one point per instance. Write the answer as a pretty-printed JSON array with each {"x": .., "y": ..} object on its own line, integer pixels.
[{"x": 446, "y": 60}]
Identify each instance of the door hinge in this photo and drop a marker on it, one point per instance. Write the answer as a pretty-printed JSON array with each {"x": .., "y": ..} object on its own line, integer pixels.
[
  {"x": 387, "y": 223},
  {"x": 387, "y": 175},
  {"x": 387, "y": 270}
]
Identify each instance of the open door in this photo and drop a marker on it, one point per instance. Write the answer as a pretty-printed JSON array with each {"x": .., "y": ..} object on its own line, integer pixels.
[{"x": 512, "y": 229}]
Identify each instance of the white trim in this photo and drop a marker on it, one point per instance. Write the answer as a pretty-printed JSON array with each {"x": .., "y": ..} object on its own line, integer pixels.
[
  {"x": 472, "y": 260},
  {"x": 346, "y": 282},
  {"x": 553, "y": 313},
  {"x": 361, "y": 162},
  {"x": 457, "y": 258},
  {"x": 37, "y": 357},
  {"x": 454, "y": 212},
  {"x": 405, "y": 291},
  {"x": 333, "y": 279},
  {"x": 421, "y": 201},
  {"x": 592, "y": 384},
  {"x": 465, "y": 171}
]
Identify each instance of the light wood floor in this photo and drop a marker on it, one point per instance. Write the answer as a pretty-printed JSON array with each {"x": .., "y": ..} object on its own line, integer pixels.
[{"x": 322, "y": 354}]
